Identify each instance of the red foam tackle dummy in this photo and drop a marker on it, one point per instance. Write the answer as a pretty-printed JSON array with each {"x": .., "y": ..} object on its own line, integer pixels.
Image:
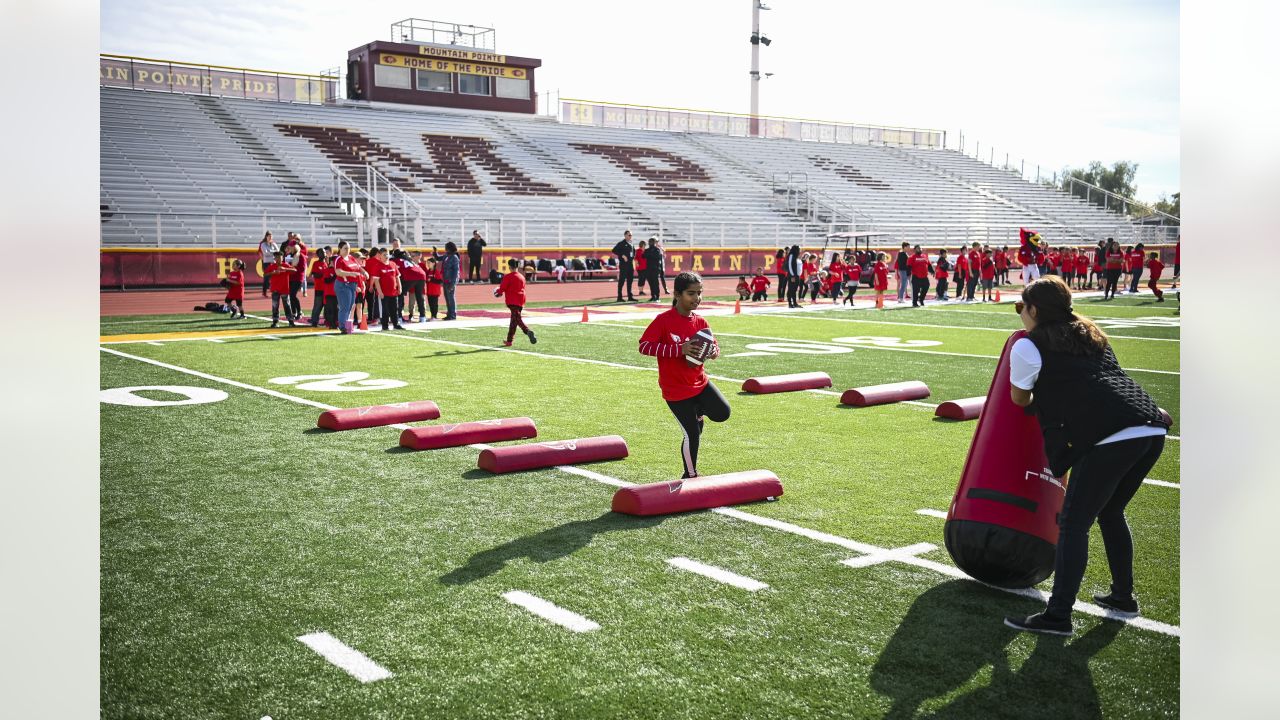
[
  {"x": 377, "y": 415},
  {"x": 883, "y": 394},
  {"x": 962, "y": 409},
  {"x": 700, "y": 493},
  {"x": 432, "y": 437},
  {"x": 531, "y": 456},
  {"x": 786, "y": 383}
]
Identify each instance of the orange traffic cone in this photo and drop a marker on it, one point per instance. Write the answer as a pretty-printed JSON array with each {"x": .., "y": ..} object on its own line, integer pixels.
[
  {"x": 997, "y": 294},
  {"x": 585, "y": 316},
  {"x": 737, "y": 307},
  {"x": 364, "y": 320}
]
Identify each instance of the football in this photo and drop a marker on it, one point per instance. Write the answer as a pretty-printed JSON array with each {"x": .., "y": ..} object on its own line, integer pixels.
[{"x": 704, "y": 339}]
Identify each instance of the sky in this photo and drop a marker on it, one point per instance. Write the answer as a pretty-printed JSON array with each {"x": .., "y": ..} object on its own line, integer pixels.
[{"x": 1054, "y": 83}]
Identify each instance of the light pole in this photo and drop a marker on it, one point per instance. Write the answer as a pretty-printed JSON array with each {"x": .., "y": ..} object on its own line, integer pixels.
[{"x": 756, "y": 41}]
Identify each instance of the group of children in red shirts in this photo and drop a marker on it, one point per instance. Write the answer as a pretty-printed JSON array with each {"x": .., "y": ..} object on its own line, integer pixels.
[
  {"x": 390, "y": 280},
  {"x": 844, "y": 273}
]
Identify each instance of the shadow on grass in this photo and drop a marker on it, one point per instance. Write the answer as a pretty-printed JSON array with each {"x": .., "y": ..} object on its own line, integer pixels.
[
  {"x": 939, "y": 418},
  {"x": 318, "y": 431},
  {"x": 550, "y": 544},
  {"x": 451, "y": 353},
  {"x": 955, "y": 630},
  {"x": 398, "y": 450}
]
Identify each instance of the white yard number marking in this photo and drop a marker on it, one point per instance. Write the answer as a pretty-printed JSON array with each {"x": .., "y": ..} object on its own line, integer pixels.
[
  {"x": 193, "y": 396},
  {"x": 1146, "y": 322},
  {"x": 802, "y": 348},
  {"x": 341, "y": 382},
  {"x": 888, "y": 342}
]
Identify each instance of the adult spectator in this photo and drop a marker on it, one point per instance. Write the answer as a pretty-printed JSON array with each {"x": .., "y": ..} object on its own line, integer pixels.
[
  {"x": 475, "y": 253},
  {"x": 653, "y": 259},
  {"x": 662, "y": 262},
  {"x": 1098, "y": 424},
  {"x": 267, "y": 254},
  {"x": 451, "y": 270},
  {"x": 626, "y": 254},
  {"x": 903, "y": 266},
  {"x": 349, "y": 273},
  {"x": 920, "y": 269}
]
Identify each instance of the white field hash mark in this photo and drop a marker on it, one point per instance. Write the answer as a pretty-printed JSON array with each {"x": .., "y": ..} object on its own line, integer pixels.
[
  {"x": 717, "y": 574},
  {"x": 550, "y": 612},
  {"x": 932, "y": 513},
  {"x": 352, "y": 661}
]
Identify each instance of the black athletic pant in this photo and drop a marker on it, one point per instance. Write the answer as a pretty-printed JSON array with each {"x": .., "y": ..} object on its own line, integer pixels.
[
  {"x": 970, "y": 287},
  {"x": 919, "y": 290},
  {"x": 295, "y": 307},
  {"x": 1102, "y": 484},
  {"x": 793, "y": 287},
  {"x": 473, "y": 267},
  {"x": 689, "y": 413},
  {"x": 1112, "y": 278},
  {"x": 413, "y": 288},
  {"x": 390, "y": 315},
  {"x": 516, "y": 322},
  {"x": 626, "y": 274},
  {"x": 942, "y": 288},
  {"x": 331, "y": 310},
  {"x": 372, "y": 306},
  {"x": 434, "y": 302},
  {"x": 782, "y": 285},
  {"x": 653, "y": 286},
  {"x": 1137, "y": 277},
  {"x": 317, "y": 305}
]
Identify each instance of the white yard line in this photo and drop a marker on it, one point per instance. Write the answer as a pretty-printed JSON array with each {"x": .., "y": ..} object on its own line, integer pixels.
[
  {"x": 152, "y": 342},
  {"x": 215, "y": 340},
  {"x": 902, "y": 553},
  {"x": 717, "y": 574},
  {"x": 882, "y": 554},
  {"x": 941, "y": 514},
  {"x": 1006, "y": 331},
  {"x": 1163, "y": 483},
  {"x": 550, "y": 612},
  {"x": 352, "y": 661}
]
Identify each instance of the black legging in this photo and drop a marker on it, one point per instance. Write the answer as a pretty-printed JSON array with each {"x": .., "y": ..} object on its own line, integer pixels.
[
  {"x": 689, "y": 413},
  {"x": 1102, "y": 484},
  {"x": 295, "y": 308},
  {"x": 793, "y": 287},
  {"x": 1112, "y": 278},
  {"x": 782, "y": 285}
]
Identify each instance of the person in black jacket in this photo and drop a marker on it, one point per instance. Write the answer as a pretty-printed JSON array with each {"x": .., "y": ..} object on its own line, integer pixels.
[
  {"x": 1099, "y": 424},
  {"x": 653, "y": 262},
  {"x": 626, "y": 266},
  {"x": 795, "y": 269},
  {"x": 475, "y": 254}
]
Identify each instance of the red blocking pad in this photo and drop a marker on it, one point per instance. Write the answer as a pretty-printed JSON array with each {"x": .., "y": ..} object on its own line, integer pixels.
[
  {"x": 701, "y": 493},
  {"x": 786, "y": 383},
  {"x": 963, "y": 409},
  {"x": 376, "y": 415},
  {"x": 479, "y": 431},
  {"x": 531, "y": 456},
  {"x": 882, "y": 394}
]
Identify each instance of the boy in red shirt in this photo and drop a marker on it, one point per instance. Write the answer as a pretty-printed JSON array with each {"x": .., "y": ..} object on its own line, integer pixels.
[
  {"x": 1156, "y": 267},
  {"x": 1002, "y": 265},
  {"x": 512, "y": 286},
  {"x": 760, "y": 286},
  {"x": 280, "y": 273},
  {"x": 386, "y": 276},
  {"x": 975, "y": 262},
  {"x": 685, "y": 386},
  {"x": 920, "y": 268},
  {"x": 941, "y": 274},
  {"x": 235, "y": 288},
  {"x": 743, "y": 289},
  {"x": 988, "y": 273}
]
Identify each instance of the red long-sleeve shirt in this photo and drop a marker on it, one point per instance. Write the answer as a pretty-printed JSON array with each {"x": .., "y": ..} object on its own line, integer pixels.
[{"x": 678, "y": 379}]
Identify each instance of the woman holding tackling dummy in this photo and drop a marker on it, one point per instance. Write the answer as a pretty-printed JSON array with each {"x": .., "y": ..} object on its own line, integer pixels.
[{"x": 685, "y": 387}]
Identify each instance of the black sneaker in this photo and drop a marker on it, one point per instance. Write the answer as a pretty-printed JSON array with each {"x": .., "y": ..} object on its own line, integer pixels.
[
  {"x": 1124, "y": 606},
  {"x": 1038, "y": 623},
  {"x": 533, "y": 339}
]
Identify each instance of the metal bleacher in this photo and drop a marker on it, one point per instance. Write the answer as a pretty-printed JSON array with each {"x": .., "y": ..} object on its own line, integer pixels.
[{"x": 191, "y": 170}]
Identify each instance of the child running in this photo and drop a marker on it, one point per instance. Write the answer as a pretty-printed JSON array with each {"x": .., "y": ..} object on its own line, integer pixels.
[
  {"x": 1153, "y": 264},
  {"x": 685, "y": 387},
  {"x": 512, "y": 286},
  {"x": 235, "y": 288}
]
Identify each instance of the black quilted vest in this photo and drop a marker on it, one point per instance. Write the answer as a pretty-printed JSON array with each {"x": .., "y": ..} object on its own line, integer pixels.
[{"x": 1081, "y": 399}]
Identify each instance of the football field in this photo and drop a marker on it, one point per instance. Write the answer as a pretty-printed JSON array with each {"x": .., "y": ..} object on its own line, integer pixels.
[{"x": 253, "y": 564}]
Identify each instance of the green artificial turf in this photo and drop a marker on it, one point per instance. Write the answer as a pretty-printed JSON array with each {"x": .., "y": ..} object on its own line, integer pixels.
[{"x": 231, "y": 528}]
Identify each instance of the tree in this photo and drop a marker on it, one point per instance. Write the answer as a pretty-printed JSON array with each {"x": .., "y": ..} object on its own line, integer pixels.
[
  {"x": 1117, "y": 179},
  {"x": 1171, "y": 207}
]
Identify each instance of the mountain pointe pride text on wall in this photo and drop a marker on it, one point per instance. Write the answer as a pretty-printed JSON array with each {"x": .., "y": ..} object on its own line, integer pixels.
[{"x": 144, "y": 74}]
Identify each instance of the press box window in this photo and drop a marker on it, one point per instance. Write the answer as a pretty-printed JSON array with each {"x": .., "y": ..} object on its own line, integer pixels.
[
  {"x": 392, "y": 77},
  {"x": 435, "y": 81},
  {"x": 473, "y": 84},
  {"x": 511, "y": 88}
]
